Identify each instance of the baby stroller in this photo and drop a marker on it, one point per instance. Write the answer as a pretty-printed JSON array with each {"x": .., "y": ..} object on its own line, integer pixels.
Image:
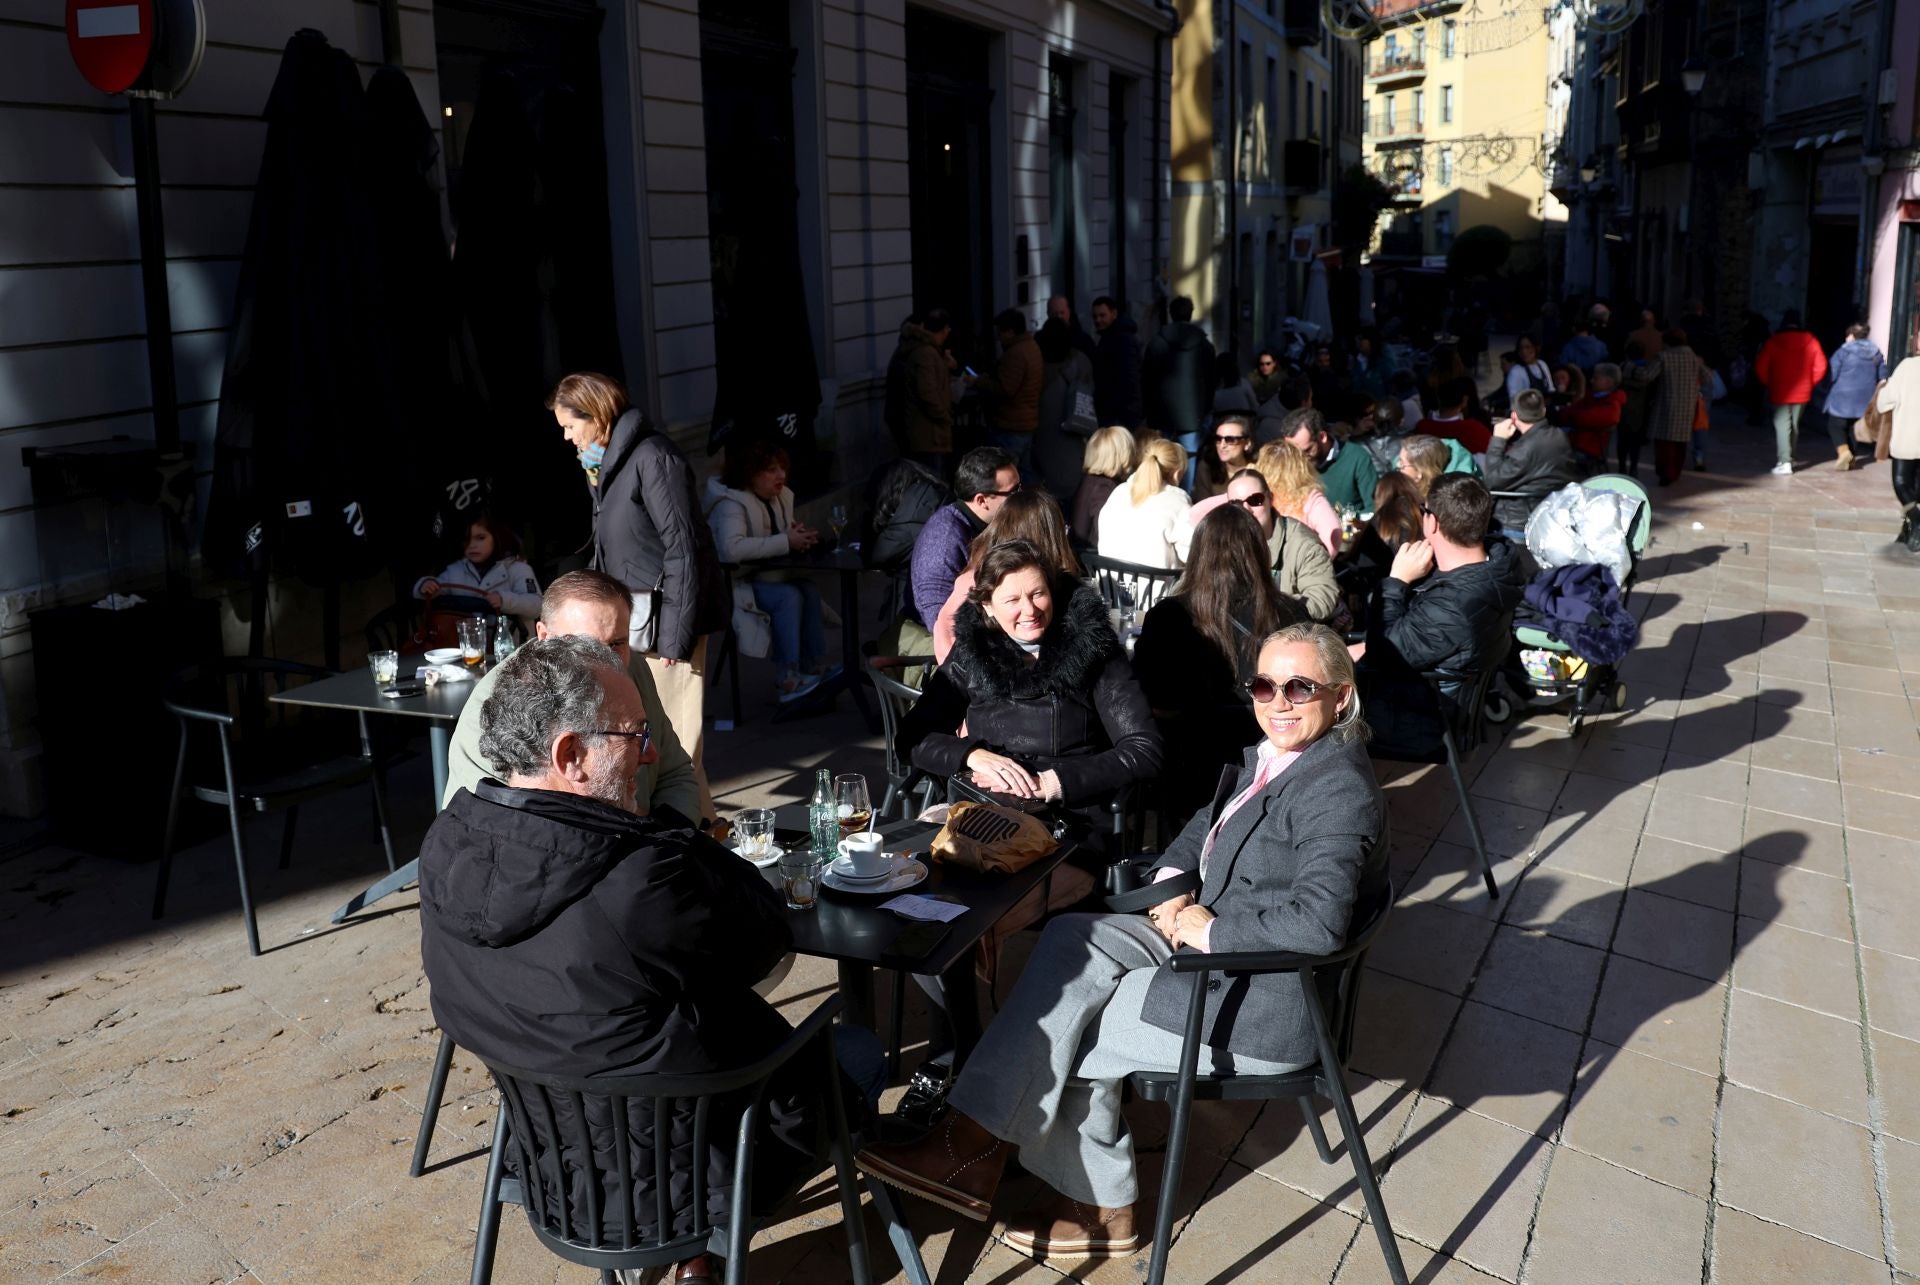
[{"x": 1544, "y": 671}]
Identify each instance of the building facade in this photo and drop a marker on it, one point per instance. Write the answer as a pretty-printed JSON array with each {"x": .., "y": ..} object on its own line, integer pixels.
[
  {"x": 1457, "y": 116},
  {"x": 1267, "y": 106},
  {"x": 1892, "y": 170},
  {"x": 779, "y": 174}
]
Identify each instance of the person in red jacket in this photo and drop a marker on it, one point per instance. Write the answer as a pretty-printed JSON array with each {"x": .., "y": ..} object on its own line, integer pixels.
[
  {"x": 1789, "y": 364},
  {"x": 1450, "y": 419},
  {"x": 1591, "y": 420}
]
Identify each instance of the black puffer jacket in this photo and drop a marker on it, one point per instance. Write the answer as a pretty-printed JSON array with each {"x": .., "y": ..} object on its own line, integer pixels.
[
  {"x": 564, "y": 936},
  {"x": 1075, "y": 709},
  {"x": 1453, "y": 624},
  {"x": 1536, "y": 463},
  {"x": 649, "y": 532}
]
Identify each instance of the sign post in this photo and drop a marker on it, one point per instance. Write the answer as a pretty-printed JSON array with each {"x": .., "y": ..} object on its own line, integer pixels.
[{"x": 146, "y": 49}]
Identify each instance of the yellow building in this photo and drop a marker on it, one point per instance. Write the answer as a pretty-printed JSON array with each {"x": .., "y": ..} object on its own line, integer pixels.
[{"x": 1456, "y": 115}]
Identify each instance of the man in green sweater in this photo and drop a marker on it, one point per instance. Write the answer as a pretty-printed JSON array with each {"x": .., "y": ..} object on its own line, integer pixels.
[
  {"x": 588, "y": 604},
  {"x": 1346, "y": 470}
]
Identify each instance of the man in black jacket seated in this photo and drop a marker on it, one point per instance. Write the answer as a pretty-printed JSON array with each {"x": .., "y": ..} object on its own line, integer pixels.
[
  {"x": 1444, "y": 608},
  {"x": 1528, "y": 455},
  {"x": 566, "y": 932}
]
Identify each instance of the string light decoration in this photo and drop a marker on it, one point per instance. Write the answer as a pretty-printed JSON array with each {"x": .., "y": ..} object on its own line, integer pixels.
[{"x": 1355, "y": 20}]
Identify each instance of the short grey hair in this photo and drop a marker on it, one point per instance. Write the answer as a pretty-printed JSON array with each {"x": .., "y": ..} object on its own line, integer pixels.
[
  {"x": 546, "y": 688},
  {"x": 1336, "y": 662}
]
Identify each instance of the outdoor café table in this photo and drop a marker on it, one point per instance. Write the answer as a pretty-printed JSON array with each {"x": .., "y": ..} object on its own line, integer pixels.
[
  {"x": 846, "y": 562},
  {"x": 440, "y": 705},
  {"x": 852, "y": 930}
]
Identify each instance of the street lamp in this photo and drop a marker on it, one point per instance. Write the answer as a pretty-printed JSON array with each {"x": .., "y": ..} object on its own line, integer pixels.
[{"x": 1693, "y": 75}]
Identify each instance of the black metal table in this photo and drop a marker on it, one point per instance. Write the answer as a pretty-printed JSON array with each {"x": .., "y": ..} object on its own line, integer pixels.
[
  {"x": 852, "y": 930},
  {"x": 440, "y": 705},
  {"x": 847, "y": 565}
]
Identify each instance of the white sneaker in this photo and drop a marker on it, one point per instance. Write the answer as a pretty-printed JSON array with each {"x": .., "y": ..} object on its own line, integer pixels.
[{"x": 1783, "y": 470}]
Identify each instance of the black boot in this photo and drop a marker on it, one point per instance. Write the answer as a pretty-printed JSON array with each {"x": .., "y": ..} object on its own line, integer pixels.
[{"x": 1906, "y": 528}]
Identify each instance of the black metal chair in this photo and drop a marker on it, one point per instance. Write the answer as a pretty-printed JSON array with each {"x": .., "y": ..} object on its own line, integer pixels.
[
  {"x": 1126, "y": 586},
  {"x": 1339, "y": 973},
  {"x": 726, "y": 651},
  {"x": 258, "y": 779},
  {"x": 392, "y": 628},
  {"x": 548, "y": 1180},
  {"x": 895, "y": 699},
  {"x": 1464, "y": 726}
]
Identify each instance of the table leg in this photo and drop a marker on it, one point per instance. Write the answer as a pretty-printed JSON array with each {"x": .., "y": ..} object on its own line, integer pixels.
[
  {"x": 856, "y": 988},
  {"x": 963, "y": 1008},
  {"x": 440, "y": 743}
]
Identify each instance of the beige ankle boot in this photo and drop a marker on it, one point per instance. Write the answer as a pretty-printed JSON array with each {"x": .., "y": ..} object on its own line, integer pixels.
[{"x": 1845, "y": 458}]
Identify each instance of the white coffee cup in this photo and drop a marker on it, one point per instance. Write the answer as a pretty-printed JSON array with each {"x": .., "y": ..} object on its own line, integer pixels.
[{"x": 864, "y": 853}]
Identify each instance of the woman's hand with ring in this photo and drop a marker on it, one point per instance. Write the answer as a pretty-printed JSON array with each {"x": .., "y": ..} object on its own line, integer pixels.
[
  {"x": 1166, "y": 914},
  {"x": 1190, "y": 927},
  {"x": 998, "y": 772}
]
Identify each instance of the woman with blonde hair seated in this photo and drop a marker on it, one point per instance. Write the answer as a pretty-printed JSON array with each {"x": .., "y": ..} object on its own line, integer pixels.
[
  {"x": 1424, "y": 458},
  {"x": 1297, "y": 491},
  {"x": 1140, "y": 523},
  {"x": 1109, "y": 458}
]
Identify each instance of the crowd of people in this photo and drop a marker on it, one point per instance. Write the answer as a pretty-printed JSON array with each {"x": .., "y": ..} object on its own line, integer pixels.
[{"x": 1344, "y": 536}]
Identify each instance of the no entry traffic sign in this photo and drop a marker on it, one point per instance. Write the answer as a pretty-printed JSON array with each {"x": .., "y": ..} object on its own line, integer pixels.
[{"x": 111, "y": 41}]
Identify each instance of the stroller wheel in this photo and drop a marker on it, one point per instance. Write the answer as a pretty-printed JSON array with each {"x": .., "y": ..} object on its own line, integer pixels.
[
  {"x": 1619, "y": 697},
  {"x": 1574, "y": 720},
  {"x": 1498, "y": 708}
]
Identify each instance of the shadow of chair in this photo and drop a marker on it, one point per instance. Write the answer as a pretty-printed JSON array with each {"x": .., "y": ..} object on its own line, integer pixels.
[
  {"x": 585, "y": 1203},
  {"x": 259, "y": 771}
]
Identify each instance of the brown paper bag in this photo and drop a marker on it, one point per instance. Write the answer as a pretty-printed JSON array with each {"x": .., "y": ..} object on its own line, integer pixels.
[{"x": 986, "y": 836}]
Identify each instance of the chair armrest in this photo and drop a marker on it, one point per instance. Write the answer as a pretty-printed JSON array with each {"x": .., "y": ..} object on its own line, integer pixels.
[
  {"x": 200, "y": 715},
  {"x": 1257, "y": 961}
]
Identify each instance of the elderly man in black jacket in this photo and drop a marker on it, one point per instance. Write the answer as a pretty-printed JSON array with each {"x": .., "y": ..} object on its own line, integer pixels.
[
  {"x": 564, "y": 931},
  {"x": 1445, "y": 608},
  {"x": 1529, "y": 456}
]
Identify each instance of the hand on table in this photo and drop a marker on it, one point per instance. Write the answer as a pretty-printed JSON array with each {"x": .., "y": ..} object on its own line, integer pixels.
[
  {"x": 1165, "y": 914},
  {"x": 801, "y": 537},
  {"x": 1411, "y": 561},
  {"x": 1002, "y": 775},
  {"x": 1190, "y": 927}
]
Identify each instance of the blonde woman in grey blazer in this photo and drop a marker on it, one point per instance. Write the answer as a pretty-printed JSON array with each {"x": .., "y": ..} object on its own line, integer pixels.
[{"x": 1287, "y": 858}]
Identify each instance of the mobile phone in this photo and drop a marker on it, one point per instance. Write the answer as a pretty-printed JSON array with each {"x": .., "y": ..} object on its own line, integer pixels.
[{"x": 411, "y": 687}]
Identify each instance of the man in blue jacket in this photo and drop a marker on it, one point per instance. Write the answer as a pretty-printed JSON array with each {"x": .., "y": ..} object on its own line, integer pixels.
[{"x": 986, "y": 477}]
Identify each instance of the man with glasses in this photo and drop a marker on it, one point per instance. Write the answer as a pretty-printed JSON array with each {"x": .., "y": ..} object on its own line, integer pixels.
[
  {"x": 590, "y": 604},
  {"x": 1302, "y": 568},
  {"x": 1445, "y": 608},
  {"x": 986, "y": 477}
]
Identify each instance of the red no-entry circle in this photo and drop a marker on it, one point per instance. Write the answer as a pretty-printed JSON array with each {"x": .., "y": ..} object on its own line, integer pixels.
[{"x": 111, "y": 41}]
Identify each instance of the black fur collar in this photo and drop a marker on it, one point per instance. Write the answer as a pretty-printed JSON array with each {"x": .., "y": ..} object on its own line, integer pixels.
[{"x": 1075, "y": 646}]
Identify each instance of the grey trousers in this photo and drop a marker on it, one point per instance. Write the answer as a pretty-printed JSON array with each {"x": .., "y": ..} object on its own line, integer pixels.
[{"x": 1046, "y": 1076}]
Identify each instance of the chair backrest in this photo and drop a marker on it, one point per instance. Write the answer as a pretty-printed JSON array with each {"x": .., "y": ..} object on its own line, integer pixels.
[
  {"x": 1463, "y": 694},
  {"x": 1128, "y": 586},
  {"x": 1621, "y": 484},
  {"x": 395, "y": 628},
  {"x": 896, "y": 698},
  {"x": 1344, "y": 1009},
  {"x": 600, "y": 1161}
]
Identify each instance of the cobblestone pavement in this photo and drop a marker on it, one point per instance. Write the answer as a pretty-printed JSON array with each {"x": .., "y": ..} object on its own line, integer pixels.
[{"x": 1683, "y": 1046}]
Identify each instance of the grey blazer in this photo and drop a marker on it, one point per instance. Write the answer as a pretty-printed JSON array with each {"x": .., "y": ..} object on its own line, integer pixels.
[{"x": 1286, "y": 874}]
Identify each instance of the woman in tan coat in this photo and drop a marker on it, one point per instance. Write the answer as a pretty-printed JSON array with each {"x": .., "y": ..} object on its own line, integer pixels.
[
  {"x": 1675, "y": 400},
  {"x": 1900, "y": 397}
]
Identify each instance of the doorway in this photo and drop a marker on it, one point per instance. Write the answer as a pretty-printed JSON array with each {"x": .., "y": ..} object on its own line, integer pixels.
[
  {"x": 1831, "y": 306},
  {"x": 950, "y": 172}
]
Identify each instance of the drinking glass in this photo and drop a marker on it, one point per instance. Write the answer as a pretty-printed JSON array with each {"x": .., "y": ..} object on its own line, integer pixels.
[
  {"x": 385, "y": 666},
  {"x": 800, "y": 876},
  {"x": 473, "y": 641},
  {"x": 854, "y": 805},
  {"x": 754, "y": 829},
  {"x": 837, "y": 519}
]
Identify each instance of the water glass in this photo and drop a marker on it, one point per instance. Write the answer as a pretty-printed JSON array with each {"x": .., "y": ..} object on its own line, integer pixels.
[
  {"x": 754, "y": 832},
  {"x": 853, "y": 803},
  {"x": 800, "y": 876},
  {"x": 385, "y": 666}
]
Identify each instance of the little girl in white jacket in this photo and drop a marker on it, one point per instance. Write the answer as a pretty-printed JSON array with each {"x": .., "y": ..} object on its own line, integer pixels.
[{"x": 492, "y": 569}]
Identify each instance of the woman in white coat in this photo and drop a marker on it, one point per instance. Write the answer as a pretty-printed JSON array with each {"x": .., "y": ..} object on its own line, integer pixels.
[
  {"x": 750, "y": 509},
  {"x": 1900, "y": 397},
  {"x": 1142, "y": 521}
]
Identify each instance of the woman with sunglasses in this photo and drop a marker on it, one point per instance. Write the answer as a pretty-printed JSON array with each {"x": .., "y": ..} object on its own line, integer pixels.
[
  {"x": 1197, "y": 651},
  {"x": 1302, "y": 571},
  {"x": 1229, "y": 450},
  {"x": 1289, "y": 856}
]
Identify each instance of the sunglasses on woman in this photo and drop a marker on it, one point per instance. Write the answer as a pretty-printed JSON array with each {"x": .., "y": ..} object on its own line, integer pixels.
[
  {"x": 1298, "y": 691},
  {"x": 1255, "y": 501}
]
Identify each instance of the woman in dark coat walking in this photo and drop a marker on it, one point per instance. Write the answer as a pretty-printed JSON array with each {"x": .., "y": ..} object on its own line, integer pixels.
[
  {"x": 1040, "y": 683},
  {"x": 649, "y": 533}
]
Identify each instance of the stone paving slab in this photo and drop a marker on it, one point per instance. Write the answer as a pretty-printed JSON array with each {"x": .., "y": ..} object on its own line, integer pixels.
[{"x": 1683, "y": 1045}]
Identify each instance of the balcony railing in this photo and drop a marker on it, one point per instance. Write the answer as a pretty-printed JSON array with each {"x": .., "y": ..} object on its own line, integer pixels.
[
  {"x": 1396, "y": 65},
  {"x": 1383, "y": 131}
]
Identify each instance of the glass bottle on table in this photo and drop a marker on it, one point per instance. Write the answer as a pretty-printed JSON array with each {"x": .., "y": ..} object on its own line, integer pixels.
[{"x": 823, "y": 817}]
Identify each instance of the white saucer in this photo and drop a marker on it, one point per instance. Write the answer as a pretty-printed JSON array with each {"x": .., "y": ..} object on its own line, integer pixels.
[
  {"x": 761, "y": 863},
  {"x": 905, "y": 875},
  {"x": 843, "y": 867}
]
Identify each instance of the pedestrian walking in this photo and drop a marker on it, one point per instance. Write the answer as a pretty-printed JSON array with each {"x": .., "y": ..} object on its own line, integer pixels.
[
  {"x": 1177, "y": 378},
  {"x": 1856, "y": 369},
  {"x": 1789, "y": 364},
  {"x": 1012, "y": 392},
  {"x": 1680, "y": 379},
  {"x": 1900, "y": 397},
  {"x": 919, "y": 394},
  {"x": 1116, "y": 366}
]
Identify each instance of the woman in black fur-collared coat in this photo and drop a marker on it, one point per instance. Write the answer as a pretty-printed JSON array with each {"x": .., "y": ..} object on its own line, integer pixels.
[{"x": 1049, "y": 704}]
